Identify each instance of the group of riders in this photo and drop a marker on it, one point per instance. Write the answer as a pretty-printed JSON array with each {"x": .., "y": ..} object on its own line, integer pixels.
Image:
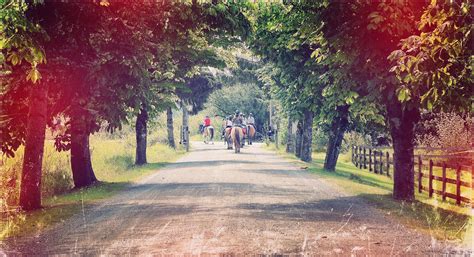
[{"x": 236, "y": 128}]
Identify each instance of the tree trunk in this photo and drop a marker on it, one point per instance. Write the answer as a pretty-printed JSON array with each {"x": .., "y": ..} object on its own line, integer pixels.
[
  {"x": 185, "y": 128},
  {"x": 307, "y": 138},
  {"x": 290, "y": 137},
  {"x": 169, "y": 125},
  {"x": 141, "y": 136},
  {"x": 30, "y": 190},
  {"x": 402, "y": 120},
  {"x": 338, "y": 128},
  {"x": 299, "y": 138},
  {"x": 81, "y": 165}
]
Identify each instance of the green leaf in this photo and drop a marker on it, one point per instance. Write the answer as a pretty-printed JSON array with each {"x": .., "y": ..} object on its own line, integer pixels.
[
  {"x": 403, "y": 94},
  {"x": 34, "y": 75},
  {"x": 14, "y": 58}
]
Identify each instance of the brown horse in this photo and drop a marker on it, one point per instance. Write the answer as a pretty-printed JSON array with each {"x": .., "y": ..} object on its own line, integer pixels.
[
  {"x": 237, "y": 135},
  {"x": 228, "y": 138},
  {"x": 250, "y": 133}
]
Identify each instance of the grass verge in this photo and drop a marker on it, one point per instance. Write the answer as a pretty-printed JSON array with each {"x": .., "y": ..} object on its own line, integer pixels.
[
  {"x": 113, "y": 166},
  {"x": 443, "y": 221}
]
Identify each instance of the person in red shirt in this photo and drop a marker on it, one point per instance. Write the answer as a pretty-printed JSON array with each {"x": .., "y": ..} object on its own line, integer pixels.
[
  {"x": 207, "y": 121},
  {"x": 208, "y": 131}
]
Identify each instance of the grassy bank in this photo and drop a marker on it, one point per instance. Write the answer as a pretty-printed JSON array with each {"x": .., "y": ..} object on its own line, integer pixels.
[
  {"x": 442, "y": 220},
  {"x": 112, "y": 160}
]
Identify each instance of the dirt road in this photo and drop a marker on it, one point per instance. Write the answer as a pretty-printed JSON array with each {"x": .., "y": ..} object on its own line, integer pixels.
[{"x": 213, "y": 201}]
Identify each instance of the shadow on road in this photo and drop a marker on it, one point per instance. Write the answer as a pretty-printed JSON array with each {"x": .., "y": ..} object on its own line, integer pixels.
[
  {"x": 206, "y": 164},
  {"x": 333, "y": 209},
  {"x": 197, "y": 190}
]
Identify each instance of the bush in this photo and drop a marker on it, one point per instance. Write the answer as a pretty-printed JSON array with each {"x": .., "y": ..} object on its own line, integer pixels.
[
  {"x": 444, "y": 130},
  {"x": 354, "y": 138},
  {"x": 57, "y": 177},
  {"x": 320, "y": 139},
  {"x": 9, "y": 179}
]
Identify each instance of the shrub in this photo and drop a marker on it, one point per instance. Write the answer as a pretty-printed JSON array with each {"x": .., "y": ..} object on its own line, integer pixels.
[
  {"x": 57, "y": 177},
  {"x": 444, "y": 130},
  {"x": 320, "y": 139},
  {"x": 354, "y": 138},
  {"x": 9, "y": 179}
]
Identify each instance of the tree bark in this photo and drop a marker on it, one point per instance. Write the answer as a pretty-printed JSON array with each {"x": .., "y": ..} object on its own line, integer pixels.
[
  {"x": 290, "y": 138},
  {"x": 81, "y": 165},
  {"x": 338, "y": 128},
  {"x": 169, "y": 125},
  {"x": 402, "y": 120},
  {"x": 141, "y": 136},
  {"x": 307, "y": 138},
  {"x": 298, "y": 138},
  {"x": 185, "y": 127},
  {"x": 30, "y": 189}
]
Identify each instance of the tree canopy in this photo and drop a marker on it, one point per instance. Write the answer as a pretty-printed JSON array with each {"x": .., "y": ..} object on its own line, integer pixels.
[{"x": 333, "y": 65}]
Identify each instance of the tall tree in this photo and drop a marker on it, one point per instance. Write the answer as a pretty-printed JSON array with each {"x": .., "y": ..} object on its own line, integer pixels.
[
  {"x": 19, "y": 43},
  {"x": 356, "y": 38},
  {"x": 30, "y": 191},
  {"x": 169, "y": 127},
  {"x": 434, "y": 70}
]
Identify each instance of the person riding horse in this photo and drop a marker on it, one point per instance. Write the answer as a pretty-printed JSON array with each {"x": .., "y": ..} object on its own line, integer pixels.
[
  {"x": 250, "y": 128},
  {"x": 250, "y": 120},
  {"x": 227, "y": 124},
  {"x": 237, "y": 132},
  {"x": 208, "y": 130},
  {"x": 239, "y": 121},
  {"x": 227, "y": 128}
]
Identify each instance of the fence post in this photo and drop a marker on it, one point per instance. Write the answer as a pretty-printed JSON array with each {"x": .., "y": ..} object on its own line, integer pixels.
[
  {"x": 356, "y": 156},
  {"x": 375, "y": 162},
  {"x": 388, "y": 163},
  {"x": 444, "y": 181},
  {"x": 352, "y": 154},
  {"x": 365, "y": 158},
  {"x": 420, "y": 175},
  {"x": 458, "y": 185},
  {"x": 370, "y": 159},
  {"x": 360, "y": 157},
  {"x": 381, "y": 162},
  {"x": 430, "y": 187}
]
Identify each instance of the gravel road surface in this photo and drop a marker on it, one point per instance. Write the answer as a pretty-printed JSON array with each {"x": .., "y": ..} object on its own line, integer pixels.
[{"x": 213, "y": 201}]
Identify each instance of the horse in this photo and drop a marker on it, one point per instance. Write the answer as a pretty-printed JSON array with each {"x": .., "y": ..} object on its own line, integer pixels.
[
  {"x": 250, "y": 133},
  {"x": 228, "y": 138},
  {"x": 208, "y": 133},
  {"x": 237, "y": 135}
]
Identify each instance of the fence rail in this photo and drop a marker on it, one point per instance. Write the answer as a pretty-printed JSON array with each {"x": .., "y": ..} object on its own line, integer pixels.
[{"x": 454, "y": 168}]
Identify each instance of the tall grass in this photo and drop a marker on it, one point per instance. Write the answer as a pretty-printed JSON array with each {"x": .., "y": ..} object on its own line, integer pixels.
[{"x": 113, "y": 162}]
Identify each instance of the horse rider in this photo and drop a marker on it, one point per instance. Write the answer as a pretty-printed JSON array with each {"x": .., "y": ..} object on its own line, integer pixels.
[
  {"x": 238, "y": 120},
  {"x": 227, "y": 124},
  {"x": 207, "y": 122},
  {"x": 251, "y": 120}
]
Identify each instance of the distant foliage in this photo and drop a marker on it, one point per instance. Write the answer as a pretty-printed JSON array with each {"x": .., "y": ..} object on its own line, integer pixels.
[
  {"x": 247, "y": 98},
  {"x": 354, "y": 138},
  {"x": 445, "y": 130},
  {"x": 320, "y": 139}
]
